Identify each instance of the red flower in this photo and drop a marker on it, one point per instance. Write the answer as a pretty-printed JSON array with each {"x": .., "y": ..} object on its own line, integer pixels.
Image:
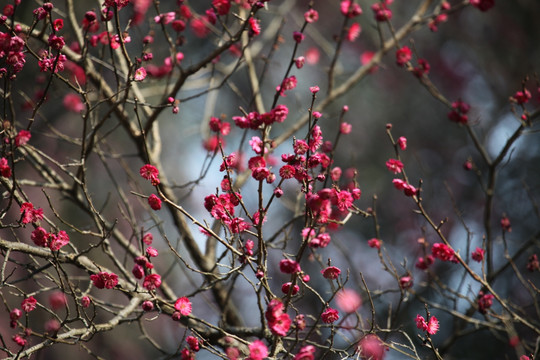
[
  {"x": 57, "y": 241},
  {"x": 288, "y": 266},
  {"x": 443, "y": 252},
  {"x": 150, "y": 172},
  {"x": 155, "y": 202},
  {"x": 5, "y": 170},
  {"x": 431, "y": 326},
  {"x": 478, "y": 254},
  {"x": 402, "y": 142},
  {"x": 459, "y": 112},
  {"x": 522, "y": 97},
  {"x": 152, "y": 281},
  {"x": 305, "y": 353},
  {"x": 403, "y": 56},
  {"x": 311, "y": 16},
  {"x": 484, "y": 302},
  {"x": 30, "y": 214},
  {"x": 193, "y": 343},
  {"x": 40, "y": 237},
  {"x": 505, "y": 224},
  {"x": 257, "y": 350},
  {"x": 104, "y": 280},
  {"x": 348, "y": 300},
  {"x": 329, "y": 316},
  {"x": 278, "y": 321},
  {"x": 29, "y": 304},
  {"x": 374, "y": 243},
  {"x": 483, "y": 5},
  {"x": 371, "y": 347},
  {"x": 183, "y": 305},
  {"x": 222, "y": 6},
  {"x": 350, "y": 9},
  {"x": 394, "y": 166},
  {"x": 331, "y": 272},
  {"x": 22, "y": 138}
]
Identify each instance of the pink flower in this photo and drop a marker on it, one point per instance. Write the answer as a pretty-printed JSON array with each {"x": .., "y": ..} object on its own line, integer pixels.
[
  {"x": 59, "y": 240},
  {"x": 150, "y": 172},
  {"x": 288, "y": 266},
  {"x": 147, "y": 305},
  {"x": 348, "y": 300},
  {"x": 19, "y": 340},
  {"x": 374, "y": 243},
  {"x": 420, "y": 322},
  {"x": 254, "y": 27},
  {"x": 148, "y": 238},
  {"x": 344, "y": 200},
  {"x": 371, "y": 347},
  {"x": 154, "y": 202},
  {"x": 406, "y": 282},
  {"x": 152, "y": 282},
  {"x": 354, "y": 32},
  {"x": 533, "y": 263},
  {"x": 424, "y": 263},
  {"x": 5, "y": 170},
  {"x": 57, "y": 300},
  {"x": 299, "y": 62},
  {"x": 193, "y": 343},
  {"x": 331, "y": 272},
  {"x": 73, "y": 102},
  {"x": 394, "y": 166},
  {"x": 350, "y": 9},
  {"x": 85, "y": 301},
  {"x": 222, "y": 6},
  {"x": 140, "y": 74},
  {"x": 431, "y": 326},
  {"x": 151, "y": 252},
  {"x": 285, "y": 288},
  {"x": 522, "y": 97},
  {"x": 403, "y": 56},
  {"x": 278, "y": 321},
  {"x": 183, "y": 305},
  {"x": 311, "y": 16},
  {"x": 484, "y": 302},
  {"x": 422, "y": 68},
  {"x": 459, "y": 112},
  {"x": 40, "y": 237},
  {"x": 345, "y": 128},
  {"x": 329, "y": 316},
  {"x": 402, "y": 142},
  {"x": 22, "y": 138},
  {"x": 314, "y": 89},
  {"x": 483, "y": 5},
  {"x": 443, "y": 252},
  {"x": 478, "y": 254},
  {"x": 104, "y": 280},
  {"x": 505, "y": 224},
  {"x": 365, "y": 58},
  {"x": 257, "y": 350},
  {"x": 305, "y": 353},
  {"x": 287, "y": 84},
  {"x": 381, "y": 11},
  {"x": 29, "y": 304},
  {"x": 30, "y": 214},
  {"x": 15, "y": 314}
]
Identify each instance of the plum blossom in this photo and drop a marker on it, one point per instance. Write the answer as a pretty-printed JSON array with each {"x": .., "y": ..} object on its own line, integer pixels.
[
  {"x": 183, "y": 306},
  {"x": 371, "y": 347},
  {"x": 104, "y": 280},
  {"x": 329, "y": 316},
  {"x": 348, "y": 300}
]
